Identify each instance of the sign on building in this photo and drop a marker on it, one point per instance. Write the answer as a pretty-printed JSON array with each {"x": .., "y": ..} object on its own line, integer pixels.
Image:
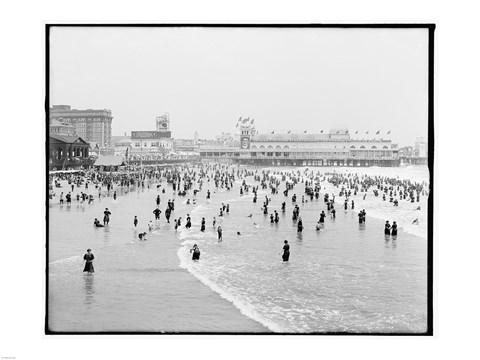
[
  {"x": 150, "y": 134},
  {"x": 244, "y": 142},
  {"x": 163, "y": 123}
]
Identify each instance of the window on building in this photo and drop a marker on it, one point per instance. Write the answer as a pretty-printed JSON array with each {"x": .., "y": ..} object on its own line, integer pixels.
[{"x": 137, "y": 144}]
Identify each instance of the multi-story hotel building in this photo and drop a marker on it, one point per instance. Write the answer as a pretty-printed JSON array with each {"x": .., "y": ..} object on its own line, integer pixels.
[{"x": 91, "y": 125}]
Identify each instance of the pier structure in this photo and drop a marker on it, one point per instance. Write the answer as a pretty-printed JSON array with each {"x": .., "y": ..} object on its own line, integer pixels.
[{"x": 334, "y": 148}]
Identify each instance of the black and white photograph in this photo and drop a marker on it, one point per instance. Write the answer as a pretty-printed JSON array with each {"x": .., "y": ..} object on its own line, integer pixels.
[{"x": 238, "y": 179}]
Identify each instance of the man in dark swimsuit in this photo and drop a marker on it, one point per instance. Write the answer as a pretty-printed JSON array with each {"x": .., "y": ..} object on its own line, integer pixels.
[{"x": 157, "y": 212}]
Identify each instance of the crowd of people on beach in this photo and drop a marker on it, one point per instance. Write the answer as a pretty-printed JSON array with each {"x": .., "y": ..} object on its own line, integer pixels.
[{"x": 189, "y": 181}]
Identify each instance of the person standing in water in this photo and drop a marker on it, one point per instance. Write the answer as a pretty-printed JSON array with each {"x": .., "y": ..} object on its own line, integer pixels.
[
  {"x": 157, "y": 212},
  {"x": 300, "y": 225},
  {"x": 394, "y": 229},
  {"x": 106, "y": 217},
  {"x": 360, "y": 217},
  {"x": 286, "y": 251},
  {"x": 220, "y": 236},
  {"x": 202, "y": 229},
  {"x": 167, "y": 214},
  {"x": 196, "y": 252},
  {"x": 135, "y": 221},
  {"x": 88, "y": 258},
  {"x": 322, "y": 216},
  {"x": 387, "y": 228}
]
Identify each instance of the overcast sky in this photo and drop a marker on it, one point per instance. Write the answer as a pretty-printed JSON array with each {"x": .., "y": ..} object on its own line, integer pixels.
[{"x": 206, "y": 78}]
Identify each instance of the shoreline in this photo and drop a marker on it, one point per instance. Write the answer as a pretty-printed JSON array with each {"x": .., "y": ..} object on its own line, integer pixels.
[{"x": 180, "y": 302}]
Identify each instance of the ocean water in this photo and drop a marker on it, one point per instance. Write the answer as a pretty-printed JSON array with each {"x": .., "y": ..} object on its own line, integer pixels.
[{"x": 342, "y": 278}]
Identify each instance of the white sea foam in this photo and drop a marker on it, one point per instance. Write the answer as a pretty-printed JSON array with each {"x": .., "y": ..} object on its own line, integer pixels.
[
  {"x": 189, "y": 239},
  {"x": 403, "y": 214},
  {"x": 270, "y": 313},
  {"x": 245, "y": 308},
  {"x": 68, "y": 260}
]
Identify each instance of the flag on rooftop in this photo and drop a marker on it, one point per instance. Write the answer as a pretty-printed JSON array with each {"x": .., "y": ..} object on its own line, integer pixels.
[
  {"x": 356, "y": 132},
  {"x": 366, "y": 132},
  {"x": 289, "y": 131},
  {"x": 321, "y": 132},
  {"x": 305, "y": 132},
  {"x": 346, "y": 132},
  {"x": 338, "y": 131},
  {"x": 273, "y": 132},
  {"x": 378, "y": 132},
  {"x": 388, "y": 133}
]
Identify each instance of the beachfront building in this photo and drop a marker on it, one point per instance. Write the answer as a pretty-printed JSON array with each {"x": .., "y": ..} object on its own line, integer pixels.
[
  {"x": 121, "y": 144},
  {"x": 333, "y": 148},
  {"x": 414, "y": 155},
  {"x": 185, "y": 147},
  {"x": 149, "y": 145},
  {"x": 90, "y": 125},
  {"x": 62, "y": 128},
  {"x": 68, "y": 152},
  {"x": 420, "y": 148}
]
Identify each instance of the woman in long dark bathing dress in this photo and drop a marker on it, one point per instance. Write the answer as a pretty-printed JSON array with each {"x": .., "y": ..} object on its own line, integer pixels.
[
  {"x": 88, "y": 257},
  {"x": 286, "y": 251}
]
